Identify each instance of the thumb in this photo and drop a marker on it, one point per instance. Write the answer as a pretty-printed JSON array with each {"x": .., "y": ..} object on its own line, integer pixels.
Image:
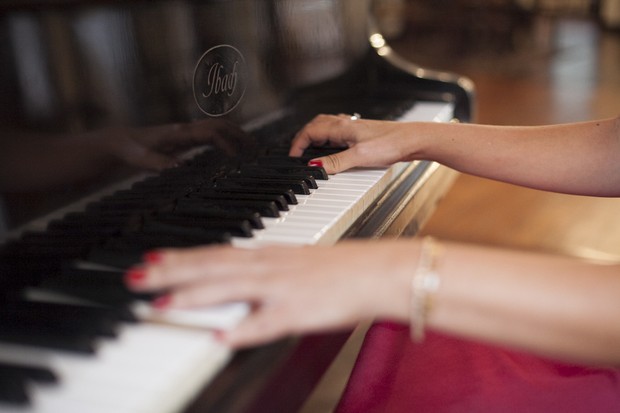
[{"x": 337, "y": 162}]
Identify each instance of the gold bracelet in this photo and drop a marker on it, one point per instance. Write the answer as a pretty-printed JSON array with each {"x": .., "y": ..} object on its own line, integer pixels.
[{"x": 424, "y": 285}]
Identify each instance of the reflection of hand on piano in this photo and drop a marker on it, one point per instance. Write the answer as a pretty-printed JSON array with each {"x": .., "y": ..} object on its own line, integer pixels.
[
  {"x": 37, "y": 161},
  {"x": 157, "y": 147}
]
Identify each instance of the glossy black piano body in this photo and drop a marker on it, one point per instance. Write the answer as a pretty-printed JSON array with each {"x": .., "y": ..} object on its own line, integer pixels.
[{"x": 72, "y": 67}]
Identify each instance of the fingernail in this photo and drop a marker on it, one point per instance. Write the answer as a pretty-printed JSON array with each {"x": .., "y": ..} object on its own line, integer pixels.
[
  {"x": 135, "y": 276},
  {"x": 315, "y": 162},
  {"x": 219, "y": 335},
  {"x": 152, "y": 257},
  {"x": 161, "y": 302}
]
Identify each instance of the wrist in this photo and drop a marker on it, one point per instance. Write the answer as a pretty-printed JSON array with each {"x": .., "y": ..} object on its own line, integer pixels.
[
  {"x": 425, "y": 283},
  {"x": 392, "y": 290}
]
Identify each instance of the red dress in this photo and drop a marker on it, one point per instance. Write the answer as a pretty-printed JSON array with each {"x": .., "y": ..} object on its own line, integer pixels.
[{"x": 445, "y": 374}]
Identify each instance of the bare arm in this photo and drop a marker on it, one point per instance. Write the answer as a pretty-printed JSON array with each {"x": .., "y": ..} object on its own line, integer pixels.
[
  {"x": 578, "y": 158},
  {"x": 548, "y": 305}
]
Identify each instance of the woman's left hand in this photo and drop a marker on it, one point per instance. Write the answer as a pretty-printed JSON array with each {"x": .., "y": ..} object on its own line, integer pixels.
[{"x": 291, "y": 289}]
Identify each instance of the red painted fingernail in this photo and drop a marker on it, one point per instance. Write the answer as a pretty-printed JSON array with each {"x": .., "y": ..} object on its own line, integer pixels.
[
  {"x": 219, "y": 335},
  {"x": 162, "y": 301},
  {"x": 135, "y": 276},
  {"x": 152, "y": 257},
  {"x": 315, "y": 162}
]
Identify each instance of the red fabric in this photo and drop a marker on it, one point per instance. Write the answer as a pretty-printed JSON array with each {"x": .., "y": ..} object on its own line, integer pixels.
[{"x": 445, "y": 374}]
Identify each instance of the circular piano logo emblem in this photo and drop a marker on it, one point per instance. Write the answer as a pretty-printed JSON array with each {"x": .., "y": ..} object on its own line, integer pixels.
[{"x": 220, "y": 79}]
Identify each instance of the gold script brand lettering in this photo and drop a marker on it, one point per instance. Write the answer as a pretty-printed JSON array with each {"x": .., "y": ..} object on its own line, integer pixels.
[{"x": 220, "y": 82}]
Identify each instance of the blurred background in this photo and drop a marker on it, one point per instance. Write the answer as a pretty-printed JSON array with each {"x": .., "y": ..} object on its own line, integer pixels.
[{"x": 533, "y": 62}]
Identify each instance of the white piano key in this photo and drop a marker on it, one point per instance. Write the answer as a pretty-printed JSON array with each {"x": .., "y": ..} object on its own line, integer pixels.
[
  {"x": 130, "y": 374},
  {"x": 221, "y": 317}
]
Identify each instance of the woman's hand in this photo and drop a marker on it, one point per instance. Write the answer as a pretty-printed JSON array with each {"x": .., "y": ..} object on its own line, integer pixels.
[
  {"x": 369, "y": 142},
  {"x": 291, "y": 289}
]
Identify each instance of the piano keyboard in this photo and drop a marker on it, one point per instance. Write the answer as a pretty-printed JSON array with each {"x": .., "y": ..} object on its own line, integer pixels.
[{"x": 160, "y": 364}]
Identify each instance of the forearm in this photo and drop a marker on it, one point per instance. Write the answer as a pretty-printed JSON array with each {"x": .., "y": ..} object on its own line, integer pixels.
[
  {"x": 547, "y": 305},
  {"x": 551, "y": 306},
  {"x": 581, "y": 158}
]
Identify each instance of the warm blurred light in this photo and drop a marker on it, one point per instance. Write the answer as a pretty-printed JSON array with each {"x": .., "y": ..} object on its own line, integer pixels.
[{"x": 377, "y": 41}]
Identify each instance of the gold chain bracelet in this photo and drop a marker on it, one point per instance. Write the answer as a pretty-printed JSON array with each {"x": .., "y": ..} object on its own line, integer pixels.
[{"x": 424, "y": 285}]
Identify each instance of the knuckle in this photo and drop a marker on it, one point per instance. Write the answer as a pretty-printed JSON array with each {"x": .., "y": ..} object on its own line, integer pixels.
[{"x": 334, "y": 162}]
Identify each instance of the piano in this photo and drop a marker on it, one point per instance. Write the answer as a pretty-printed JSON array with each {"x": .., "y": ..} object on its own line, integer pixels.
[{"x": 86, "y": 87}]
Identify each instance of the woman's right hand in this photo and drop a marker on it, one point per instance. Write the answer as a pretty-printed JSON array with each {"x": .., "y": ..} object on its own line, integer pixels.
[{"x": 368, "y": 142}]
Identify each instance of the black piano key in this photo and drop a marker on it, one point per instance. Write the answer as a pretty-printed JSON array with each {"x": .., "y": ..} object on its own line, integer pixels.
[
  {"x": 97, "y": 278},
  {"x": 278, "y": 150},
  {"x": 264, "y": 208},
  {"x": 191, "y": 171},
  {"x": 318, "y": 172},
  {"x": 102, "y": 217},
  {"x": 266, "y": 176},
  {"x": 25, "y": 263},
  {"x": 14, "y": 380},
  {"x": 286, "y": 193},
  {"x": 185, "y": 227},
  {"x": 214, "y": 194},
  {"x": 165, "y": 187},
  {"x": 145, "y": 192},
  {"x": 88, "y": 225},
  {"x": 106, "y": 296},
  {"x": 104, "y": 288},
  {"x": 13, "y": 389},
  {"x": 50, "y": 244},
  {"x": 34, "y": 373},
  {"x": 118, "y": 258},
  {"x": 78, "y": 343},
  {"x": 215, "y": 212},
  {"x": 56, "y": 326},
  {"x": 46, "y": 317},
  {"x": 128, "y": 250},
  {"x": 317, "y": 152},
  {"x": 126, "y": 206},
  {"x": 146, "y": 240},
  {"x": 296, "y": 185}
]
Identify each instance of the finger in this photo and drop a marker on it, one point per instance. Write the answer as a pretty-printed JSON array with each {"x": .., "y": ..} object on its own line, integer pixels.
[
  {"x": 168, "y": 268},
  {"x": 303, "y": 140},
  {"x": 210, "y": 292},
  {"x": 262, "y": 326},
  {"x": 317, "y": 132},
  {"x": 338, "y": 162}
]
